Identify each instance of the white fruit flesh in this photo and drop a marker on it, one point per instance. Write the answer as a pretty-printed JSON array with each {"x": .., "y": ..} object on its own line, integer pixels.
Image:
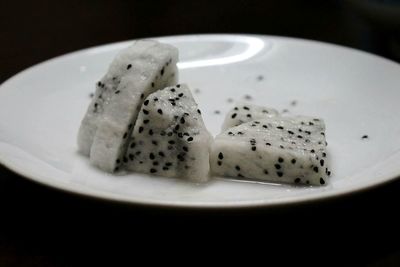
[
  {"x": 277, "y": 149},
  {"x": 244, "y": 112},
  {"x": 170, "y": 138},
  {"x": 137, "y": 71}
]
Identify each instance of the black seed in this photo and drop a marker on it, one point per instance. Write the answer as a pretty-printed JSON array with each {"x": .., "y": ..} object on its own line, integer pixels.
[
  {"x": 293, "y": 161},
  {"x": 171, "y": 142},
  {"x": 152, "y": 156},
  {"x": 146, "y": 121},
  {"x": 155, "y": 163},
  {"x": 129, "y": 66},
  {"x": 253, "y": 148},
  {"x": 180, "y": 135},
  {"x": 268, "y": 144},
  {"x": 233, "y": 115},
  {"x": 150, "y": 132},
  {"x": 142, "y": 96},
  {"x": 323, "y": 154},
  {"x": 170, "y": 134},
  {"x": 230, "y": 133},
  {"x": 176, "y": 98},
  {"x": 185, "y": 148},
  {"x": 162, "y": 71},
  {"x": 364, "y": 137},
  {"x": 131, "y": 156},
  {"x": 312, "y": 151},
  {"x": 95, "y": 105},
  {"x": 328, "y": 173},
  {"x": 165, "y": 168},
  {"x": 297, "y": 180},
  {"x": 181, "y": 94},
  {"x": 153, "y": 170},
  {"x": 118, "y": 161},
  {"x": 236, "y": 108},
  {"x": 154, "y": 142},
  {"x": 246, "y": 108},
  {"x": 277, "y": 166},
  {"x": 173, "y": 90},
  {"x": 265, "y": 126},
  {"x": 125, "y": 159},
  {"x": 130, "y": 126},
  {"x": 307, "y": 182},
  {"x": 248, "y": 115},
  {"x": 322, "y": 133},
  {"x": 125, "y": 135},
  {"x": 307, "y": 140},
  {"x": 280, "y": 174},
  {"x": 315, "y": 169},
  {"x": 117, "y": 92},
  {"x": 300, "y": 130},
  {"x": 239, "y": 175},
  {"x": 290, "y": 132},
  {"x": 282, "y": 147},
  {"x": 198, "y": 111},
  {"x": 310, "y": 123},
  {"x": 116, "y": 169},
  {"x": 138, "y": 153},
  {"x": 265, "y": 111},
  {"x": 237, "y": 167},
  {"x": 159, "y": 111},
  {"x": 161, "y": 154},
  {"x": 152, "y": 84},
  {"x": 302, "y": 123},
  {"x": 239, "y": 133},
  {"x": 219, "y": 163},
  {"x": 280, "y": 160},
  {"x": 321, "y": 162},
  {"x": 146, "y": 102},
  {"x": 280, "y": 127},
  {"x": 321, "y": 181},
  {"x": 145, "y": 111},
  {"x": 299, "y": 136},
  {"x": 176, "y": 127},
  {"x": 140, "y": 129},
  {"x": 266, "y": 172},
  {"x": 190, "y": 139},
  {"x": 307, "y": 132},
  {"x": 99, "y": 84},
  {"x": 182, "y": 120},
  {"x": 168, "y": 164},
  {"x": 220, "y": 155}
]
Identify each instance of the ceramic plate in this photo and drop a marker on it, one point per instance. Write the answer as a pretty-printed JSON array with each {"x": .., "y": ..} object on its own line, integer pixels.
[{"x": 356, "y": 93}]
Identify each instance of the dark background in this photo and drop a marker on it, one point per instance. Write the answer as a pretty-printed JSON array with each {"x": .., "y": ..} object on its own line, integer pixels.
[{"x": 43, "y": 227}]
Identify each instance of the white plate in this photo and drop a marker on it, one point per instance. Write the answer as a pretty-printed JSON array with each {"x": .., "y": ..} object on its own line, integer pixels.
[{"x": 355, "y": 92}]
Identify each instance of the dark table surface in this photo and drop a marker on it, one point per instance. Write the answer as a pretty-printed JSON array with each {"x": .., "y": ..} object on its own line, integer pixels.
[{"x": 40, "y": 226}]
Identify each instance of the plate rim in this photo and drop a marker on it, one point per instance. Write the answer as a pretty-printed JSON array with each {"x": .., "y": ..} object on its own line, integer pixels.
[{"x": 115, "y": 198}]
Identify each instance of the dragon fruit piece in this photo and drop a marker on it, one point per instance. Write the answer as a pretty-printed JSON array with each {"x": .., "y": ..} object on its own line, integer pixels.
[
  {"x": 170, "y": 138},
  {"x": 142, "y": 68},
  {"x": 277, "y": 149},
  {"x": 243, "y": 112}
]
